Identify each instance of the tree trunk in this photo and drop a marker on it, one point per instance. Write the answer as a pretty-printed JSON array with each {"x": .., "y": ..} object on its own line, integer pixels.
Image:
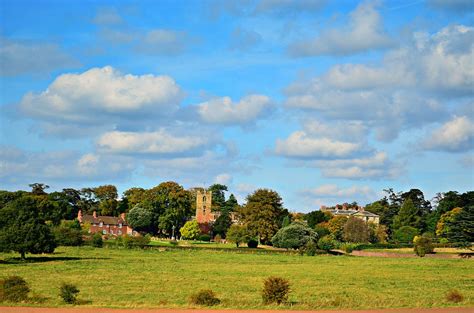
[{"x": 22, "y": 255}]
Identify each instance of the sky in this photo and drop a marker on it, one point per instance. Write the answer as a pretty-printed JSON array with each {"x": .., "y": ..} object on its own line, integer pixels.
[{"x": 324, "y": 102}]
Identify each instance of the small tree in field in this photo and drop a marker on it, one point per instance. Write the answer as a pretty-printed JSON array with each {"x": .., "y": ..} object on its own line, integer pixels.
[
  {"x": 422, "y": 245},
  {"x": 190, "y": 230},
  {"x": 294, "y": 236},
  {"x": 275, "y": 290},
  {"x": 238, "y": 234},
  {"x": 356, "y": 230}
]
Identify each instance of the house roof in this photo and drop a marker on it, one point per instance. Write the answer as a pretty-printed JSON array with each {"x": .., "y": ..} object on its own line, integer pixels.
[{"x": 108, "y": 220}]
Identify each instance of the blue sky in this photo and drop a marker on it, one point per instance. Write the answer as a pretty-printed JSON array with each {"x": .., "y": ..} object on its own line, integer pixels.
[{"x": 322, "y": 101}]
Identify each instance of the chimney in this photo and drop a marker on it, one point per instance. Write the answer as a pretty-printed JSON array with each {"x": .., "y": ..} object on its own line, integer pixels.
[
  {"x": 79, "y": 216},
  {"x": 94, "y": 214},
  {"x": 361, "y": 209}
]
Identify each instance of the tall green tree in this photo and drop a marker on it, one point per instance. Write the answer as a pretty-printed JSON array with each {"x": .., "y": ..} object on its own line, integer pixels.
[
  {"x": 462, "y": 227},
  {"x": 222, "y": 224},
  {"x": 231, "y": 205},
  {"x": 107, "y": 196},
  {"x": 218, "y": 196},
  {"x": 294, "y": 236},
  {"x": 409, "y": 215},
  {"x": 134, "y": 196},
  {"x": 356, "y": 230},
  {"x": 23, "y": 230},
  {"x": 190, "y": 230},
  {"x": 315, "y": 217},
  {"x": 141, "y": 219},
  {"x": 263, "y": 214}
]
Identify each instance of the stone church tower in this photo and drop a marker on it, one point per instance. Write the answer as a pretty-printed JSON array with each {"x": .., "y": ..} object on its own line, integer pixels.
[{"x": 203, "y": 207}]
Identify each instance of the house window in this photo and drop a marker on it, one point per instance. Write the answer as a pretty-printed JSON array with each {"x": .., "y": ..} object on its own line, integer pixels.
[
  {"x": 101, "y": 224},
  {"x": 104, "y": 232},
  {"x": 120, "y": 225},
  {"x": 204, "y": 199},
  {"x": 204, "y": 210}
]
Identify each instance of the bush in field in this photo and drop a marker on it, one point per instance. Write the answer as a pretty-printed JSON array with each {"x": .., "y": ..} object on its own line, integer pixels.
[
  {"x": 238, "y": 234},
  {"x": 204, "y": 237},
  {"x": 310, "y": 249},
  {"x": 356, "y": 230},
  {"x": 252, "y": 243},
  {"x": 454, "y": 296},
  {"x": 190, "y": 230},
  {"x": 130, "y": 242},
  {"x": 294, "y": 236},
  {"x": 422, "y": 245},
  {"x": 326, "y": 243},
  {"x": 68, "y": 293},
  {"x": 97, "y": 240},
  {"x": 405, "y": 234},
  {"x": 14, "y": 289},
  {"x": 275, "y": 290},
  {"x": 68, "y": 233},
  {"x": 205, "y": 297}
]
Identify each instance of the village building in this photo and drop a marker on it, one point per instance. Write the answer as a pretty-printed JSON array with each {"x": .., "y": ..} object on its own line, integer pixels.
[
  {"x": 106, "y": 225},
  {"x": 204, "y": 214},
  {"x": 358, "y": 212}
]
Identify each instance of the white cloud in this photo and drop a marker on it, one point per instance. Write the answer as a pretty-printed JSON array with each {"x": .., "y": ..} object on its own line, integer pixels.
[
  {"x": 103, "y": 96},
  {"x": 354, "y": 131},
  {"x": 158, "y": 142},
  {"x": 223, "y": 179},
  {"x": 300, "y": 145},
  {"x": 16, "y": 58},
  {"x": 224, "y": 111},
  {"x": 456, "y": 135},
  {"x": 364, "y": 32},
  {"x": 243, "y": 39},
  {"x": 107, "y": 16},
  {"x": 163, "y": 42},
  {"x": 331, "y": 190}
]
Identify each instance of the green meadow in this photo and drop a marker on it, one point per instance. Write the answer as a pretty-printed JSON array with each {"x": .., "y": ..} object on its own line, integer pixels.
[{"x": 165, "y": 277}]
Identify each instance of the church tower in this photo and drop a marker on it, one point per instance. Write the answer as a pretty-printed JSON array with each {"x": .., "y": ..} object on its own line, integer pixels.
[{"x": 203, "y": 206}]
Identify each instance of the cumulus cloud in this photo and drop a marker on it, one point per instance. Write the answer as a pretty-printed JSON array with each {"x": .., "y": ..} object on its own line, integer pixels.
[
  {"x": 223, "y": 179},
  {"x": 456, "y": 135},
  {"x": 163, "y": 42},
  {"x": 224, "y": 111},
  {"x": 103, "y": 96},
  {"x": 300, "y": 145},
  {"x": 157, "y": 142},
  {"x": 331, "y": 190},
  {"x": 242, "y": 39},
  {"x": 18, "y": 166},
  {"x": 16, "y": 58},
  {"x": 364, "y": 32}
]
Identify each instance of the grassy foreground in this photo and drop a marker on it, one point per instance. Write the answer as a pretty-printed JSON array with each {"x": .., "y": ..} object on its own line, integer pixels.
[{"x": 165, "y": 278}]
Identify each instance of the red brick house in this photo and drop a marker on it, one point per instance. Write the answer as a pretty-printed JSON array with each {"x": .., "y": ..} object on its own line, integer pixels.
[{"x": 106, "y": 225}]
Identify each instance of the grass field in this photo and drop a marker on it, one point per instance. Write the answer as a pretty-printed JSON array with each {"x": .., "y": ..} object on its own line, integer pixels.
[{"x": 164, "y": 277}]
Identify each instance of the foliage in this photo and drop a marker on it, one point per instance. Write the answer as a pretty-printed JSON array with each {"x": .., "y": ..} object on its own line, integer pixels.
[
  {"x": 311, "y": 248},
  {"x": 218, "y": 196},
  {"x": 133, "y": 196},
  {"x": 405, "y": 234},
  {"x": 14, "y": 289},
  {"x": 68, "y": 292},
  {"x": 238, "y": 234},
  {"x": 107, "y": 196},
  {"x": 336, "y": 226},
  {"x": 445, "y": 221},
  {"x": 315, "y": 217},
  {"x": 286, "y": 221},
  {"x": 130, "y": 242},
  {"x": 252, "y": 243},
  {"x": 263, "y": 214},
  {"x": 321, "y": 230},
  {"x": 204, "y": 237},
  {"x": 327, "y": 243},
  {"x": 97, "y": 240},
  {"x": 462, "y": 227},
  {"x": 231, "y": 205},
  {"x": 190, "y": 230},
  {"x": 222, "y": 224},
  {"x": 23, "y": 230},
  {"x": 140, "y": 218},
  {"x": 454, "y": 296},
  {"x": 205, "y": 297},
  {"x": 69, "y": 233},
  {"x": 377, "y": 233},
  {"x": 294, "y": 236},
  {"x": 356, "y": 230},
  {"x": 275, "y": 290},
  {"x": 409, "y": 215},
  {"x": 422, "y": 245}
]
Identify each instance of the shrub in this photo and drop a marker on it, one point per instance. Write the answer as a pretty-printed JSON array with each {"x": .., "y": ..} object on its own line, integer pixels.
[
  {"x": 294, "y": 236},
  {"x": 68, "y": 293},
  {"x": 422, "y": 245},
  {"x": 454, "y": 296},
  {"x": 14, "y": 289},
  {"x": 356, "y": 230},
  {"x": 326, "y": 243},
  {"x": 238, "y": 234},
  {"x": 204, "y": 297},
  {"x": 204, "y": 237},
  {"x": 252, "y": 243},
  {"x": 69, "y": 233},
  {"x": 190, "y": 230},
  {"x": 321, "y": 231},
  {"x": 310, "y": 248},
  {"x": 97, "y": 240},
  {"x": 275, "y": 290},
  {"x": 405, "y": 234},
  {"x": 130, "y": 242}
]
